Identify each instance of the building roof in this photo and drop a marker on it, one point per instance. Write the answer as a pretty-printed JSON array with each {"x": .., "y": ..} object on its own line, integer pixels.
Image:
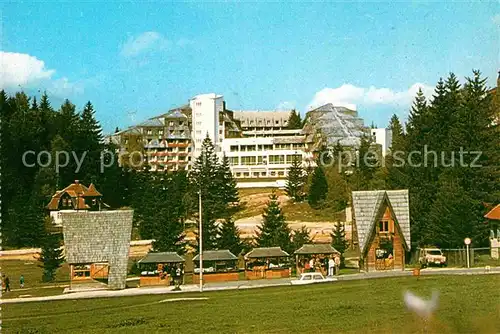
[
  {"x": 316, "y": 249},
  {"x": 216, "y": 255},
  {"x": 163, "y": 257},
  {"x": 77, "y": 192},
  {"x": 494, "y": 214},
  {"x": 266, "y": 252},
  {"x": 152, "y": 122},
  {"x": 367, "y": 205},
  {"x": 335, "y": 124},
  {"x": 92, "y": 192}
]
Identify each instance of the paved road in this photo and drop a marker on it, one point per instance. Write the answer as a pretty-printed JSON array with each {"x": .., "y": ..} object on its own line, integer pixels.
[{"x": 235, "y": 285}]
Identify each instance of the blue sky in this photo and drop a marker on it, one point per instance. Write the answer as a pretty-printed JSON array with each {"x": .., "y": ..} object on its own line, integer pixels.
[{"x": 136, "y": 60}]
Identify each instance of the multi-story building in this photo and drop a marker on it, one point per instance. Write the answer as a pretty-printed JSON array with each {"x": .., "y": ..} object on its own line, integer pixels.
[{"x": 259, "y": 144}]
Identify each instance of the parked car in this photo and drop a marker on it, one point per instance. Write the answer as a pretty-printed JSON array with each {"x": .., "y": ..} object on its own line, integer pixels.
[
  {"x": 310, "y": 278},
  {"x": 432, "y": 257}
]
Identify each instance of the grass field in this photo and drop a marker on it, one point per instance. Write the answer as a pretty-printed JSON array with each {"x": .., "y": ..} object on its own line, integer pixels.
[{"x": 468, "y": 304}]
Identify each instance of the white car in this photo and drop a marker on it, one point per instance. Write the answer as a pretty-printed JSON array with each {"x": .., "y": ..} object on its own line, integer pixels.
[{"x": 310, "y": 278}]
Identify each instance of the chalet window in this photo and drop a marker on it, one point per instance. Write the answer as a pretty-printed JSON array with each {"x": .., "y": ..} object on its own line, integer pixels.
[{"x": 384, "y": 227}]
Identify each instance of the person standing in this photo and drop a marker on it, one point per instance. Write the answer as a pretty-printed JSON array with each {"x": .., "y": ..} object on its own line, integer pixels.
[
  {"x": 7, "y": 284},
  {"x": 337, "y": 264},
  {"x": 21, "y": 282},
  {"x": 331, "y": 266},
  {"x": 311, "y": 264}
]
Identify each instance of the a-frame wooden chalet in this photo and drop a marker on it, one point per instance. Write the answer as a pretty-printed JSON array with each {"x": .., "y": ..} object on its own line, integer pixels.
[{"x": 382, "y": 225}]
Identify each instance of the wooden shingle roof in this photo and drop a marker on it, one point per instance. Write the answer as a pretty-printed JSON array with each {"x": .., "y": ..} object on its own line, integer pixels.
[
  {"x": 162, "y": 257},
  {"x": 216, "y": 255},
  {"x": 316, "y": 249},
  {"x": 263, "y": 252},
  {"x": 367, "y": 206}
]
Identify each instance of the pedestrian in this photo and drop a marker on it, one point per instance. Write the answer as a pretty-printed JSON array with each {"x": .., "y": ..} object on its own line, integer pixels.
[
  {"x": 331, "y": 266},
  {"x": 337, "y": 265},
  {"x": 21, "y": 282},
  {"x": 311, "y": 264},
  {"x": 307, "y": 267},
  {"x": 7, "y": 283}
]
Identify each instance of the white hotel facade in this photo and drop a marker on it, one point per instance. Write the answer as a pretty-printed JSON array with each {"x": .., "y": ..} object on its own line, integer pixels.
[{"x": 259, "y": 144}]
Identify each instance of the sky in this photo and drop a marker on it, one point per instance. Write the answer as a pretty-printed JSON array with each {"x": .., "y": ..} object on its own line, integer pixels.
[{"x": 136, "y": 60}]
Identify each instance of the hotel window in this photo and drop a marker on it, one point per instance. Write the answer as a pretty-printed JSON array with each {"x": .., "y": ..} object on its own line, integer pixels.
[
  {"x": 171, "y": 123},
  {"x": 268, "y": 147},
  {"x": 260, "y": 160},
  {"x": 256, "y": 174},
  {"x": 276, "y": 159},
  {"x": 246, "y": 174},
  {"x": 234, "y": 148},
  {"x": 233, "y": 161},
  {"x": 259, "y": 147},
  {"x": 281, "y": 173},
  {"x": 248, "y": 160},
  {"x": 160, "y": 132},
  {"x": 273, "y": 173},
  {"x": 238, "y": 174},
  {"x": 149, "y": 132},
  {"x": 291, "y": 158},
  {"x": 263, "y": 173}
]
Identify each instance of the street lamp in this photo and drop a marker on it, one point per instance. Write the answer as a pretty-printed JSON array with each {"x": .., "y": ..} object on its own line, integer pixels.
[
  {"x": 467, "y": 242},
  {"x": 200, "y": 241}
]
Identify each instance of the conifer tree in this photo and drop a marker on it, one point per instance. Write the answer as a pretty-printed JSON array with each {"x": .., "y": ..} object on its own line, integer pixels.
[
  {"x": 205, "y": 178},
  {"x": 301, "y": 237},
  {"x": 318, "y": 189},
  {"x": 295, "y": 181},
  {"x": 294, "y": 121},
  {"x": 339, "y": 241},
  {"x": 274, "y": 231},
  {"x": 51, "y": 256},
  {"x": 229, "y": 237},
  {"x": 229, "y": 192}
]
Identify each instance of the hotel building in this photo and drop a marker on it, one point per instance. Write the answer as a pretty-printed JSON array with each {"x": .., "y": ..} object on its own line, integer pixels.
[{"x": 260, "y": 145}]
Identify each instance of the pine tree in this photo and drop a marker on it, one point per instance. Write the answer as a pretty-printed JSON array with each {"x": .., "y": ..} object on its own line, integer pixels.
[
  {"x": 395, "y": 166},
  {"x": 229, "y": 237},
  {"x": 338, "y": 189},
  {"x": 51, "y": 256},
  {"x": 339, "y": 241},
  {"x": 301, "y": 237},
  {"x": 319, "y": 188},
  {"x": 229, "y": 192},
  {"x": 205, "y": 178},
  {"x": 295, "y": 181},
  {"x": 294, "y": 121},
  {"x": 90, "y": 141},
  {"x": 274, "y": 231}
]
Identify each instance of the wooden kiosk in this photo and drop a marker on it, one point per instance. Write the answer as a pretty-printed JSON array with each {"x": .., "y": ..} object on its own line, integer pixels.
[
  {"x": 267, "y": 262},
  {"x": 157, "y": 268},
  {"x": 321, "y": 254},
  {"x": 218, "y": 266}
]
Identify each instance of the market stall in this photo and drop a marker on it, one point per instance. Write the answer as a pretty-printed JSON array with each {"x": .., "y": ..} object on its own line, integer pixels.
[
  {"x": 314, "y": 258},
  {"x": 159, "y": 268},
  {"x": 218, "y": 266},
  {"x": 267, "y": 262}
]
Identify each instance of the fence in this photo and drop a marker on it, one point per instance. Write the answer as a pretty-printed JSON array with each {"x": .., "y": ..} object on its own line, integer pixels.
[{"x": 457, "y": 257}]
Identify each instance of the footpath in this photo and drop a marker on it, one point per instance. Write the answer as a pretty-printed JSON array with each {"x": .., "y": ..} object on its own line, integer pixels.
[{"x": 240, "y": 285}]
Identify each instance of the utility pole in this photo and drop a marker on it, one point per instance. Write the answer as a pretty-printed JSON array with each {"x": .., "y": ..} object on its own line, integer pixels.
[{"x": 200, "y": 242}]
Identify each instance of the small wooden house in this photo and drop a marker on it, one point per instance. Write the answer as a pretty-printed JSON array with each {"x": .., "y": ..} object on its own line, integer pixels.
[
  {"x": 267, "y": 262},
  {"x": 382, "y": 228},
  {"x": 157, "y": 268},
  {"x": 218, "y": 266}
]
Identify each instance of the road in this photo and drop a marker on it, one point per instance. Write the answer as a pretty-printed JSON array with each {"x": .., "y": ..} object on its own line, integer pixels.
[{"x": 235, "y": 285}]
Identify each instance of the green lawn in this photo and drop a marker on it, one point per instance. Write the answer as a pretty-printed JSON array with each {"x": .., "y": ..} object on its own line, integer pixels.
[{"x": 468, "y": 304}]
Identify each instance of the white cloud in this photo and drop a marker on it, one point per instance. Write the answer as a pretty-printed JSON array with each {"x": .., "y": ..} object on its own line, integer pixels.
[
  {"x": 147, "y": 41},
  {"x": 20, "y": 69},
  {"x": 286, "y": 105},
  {"x": 350, "y": 96},
  {"x": 150, "y": 41},
  {"x": 496, "y": 19}
]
